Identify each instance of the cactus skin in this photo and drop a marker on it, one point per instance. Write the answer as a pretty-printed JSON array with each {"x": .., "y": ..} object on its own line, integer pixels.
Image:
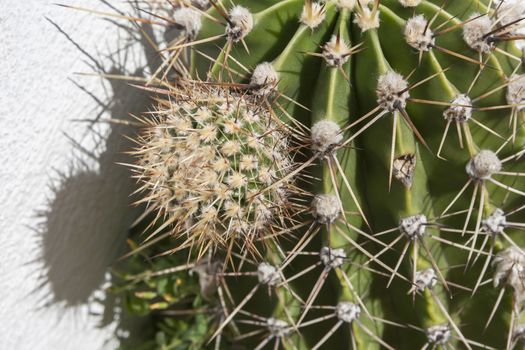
[{"x": 447, "y": 305}]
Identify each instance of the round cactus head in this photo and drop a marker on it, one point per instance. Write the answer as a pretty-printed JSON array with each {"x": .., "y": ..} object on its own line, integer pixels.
[{"x": 213, "y": 169}]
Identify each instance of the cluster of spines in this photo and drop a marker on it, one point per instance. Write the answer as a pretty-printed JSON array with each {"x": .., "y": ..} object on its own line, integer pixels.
[
  {"x": 482, "y": 33},
  {"x": 214, "y": 165}
]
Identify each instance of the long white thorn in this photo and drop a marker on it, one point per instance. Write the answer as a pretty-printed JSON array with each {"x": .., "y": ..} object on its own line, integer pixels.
[
  {"x": 478, "y": 221},
  {"x": 277, "y": 339},
  {"x": 361, "y": 232},
  {"x": 372, "y": 112},
  {"x": 300, "y": 273},
  {"x": 392, "y": 150},
  {"x": 196, "y": 42},
  {"x": 483, "y": 126},
  {"x": 352, "y": 337},
  {"x": 470, "y": 208},
  {"x": 235, "y": 311},
  {"x": 482, "y": 248},
  {"x": 508, "y": 188},
  {"x": 495, "y": 308},
  {"x": 313, "y": 294},
  {"x": 317, "y": 320},
  {"x": 510, "y": 173},
  {"x": 328, "y": 335},
  {"x": 360, "y": 131},
  {"x": 399, "y": 261},
  {"x": 443, "y": 140},
  {"x": 456, "y": 198},
  {"x": 287, "y": 344},
  {"x": 303, "y": 242},
  {"x": 484, "y": 269},
  {"x": 478, "y": 74},
  {"x": 390, "y": 230},
  {"x": 263, "y": 343},
  {"x": 435, "y": 265},
  {"x": 511, "y": 241},
  {"x": 457, "y": 245},
  {"x": 460, "y": 135},
  {"x": 511, "y": 328},
  {"x": 351, "y": 287},
  {"x": 375, "y": 337},
  {"x": 349, "y": 188},
  {"x": 218, "y": 342},
  {"x": 389, "y": 246},
  {"x": 414, "y": 264},
  {"x": 514, "y": 156},
  {"x": 250, "y": 334},
  {"x": 450, "y": 320},
  {"x": 336, "y": 188},
  {"x": 367, "y": 253}
]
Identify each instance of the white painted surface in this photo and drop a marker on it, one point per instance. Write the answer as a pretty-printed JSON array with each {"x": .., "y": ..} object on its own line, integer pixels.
[{"x": 63, "y": 211}]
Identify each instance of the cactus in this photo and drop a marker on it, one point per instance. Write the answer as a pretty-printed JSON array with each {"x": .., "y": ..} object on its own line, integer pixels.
[{"x": 339, "y": 174}]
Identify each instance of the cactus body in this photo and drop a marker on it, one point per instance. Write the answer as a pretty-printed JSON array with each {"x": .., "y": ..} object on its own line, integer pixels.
[{"x": 357, "y": 180}]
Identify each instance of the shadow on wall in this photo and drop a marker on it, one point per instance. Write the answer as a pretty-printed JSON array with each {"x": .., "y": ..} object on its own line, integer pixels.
[
  {"x": 85, "y": 225},
  {"x": 84, "y": 228}
]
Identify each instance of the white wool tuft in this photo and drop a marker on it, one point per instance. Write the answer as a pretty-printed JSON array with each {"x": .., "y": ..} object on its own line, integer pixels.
[
  {"x": 510, "y": 269},
  {"x": 367, "y": 20},
  {"x": 278, "y": 328},
  {"x": 473, "y": 32},
  {"x": 264, "y": 78},
  {"x": 417, "y": 33},
  {"x": 483, "y": 165},
  {"x": 240, "y": 23},
  {"x": 425, "y": 279},
  {"x": 335, "y": 52},
  {"x": 413, "y": 226},
  {"x": 410, "y": 3},
  {"x": 510, "y": 12},
  {"x": 332, "y": 257},
  {"x": 189, "y": 20},
  {"x": 519, "y": 332},
  {"x": 516, "y": 91},
  {"x": 458, "y": 112},
  {"x": 313, "y": 15},
  {"x": 439, "y": 334},
  {"x": 268, "y": 274},
  {"x": 495, "y": 223},
  {"x": 325, "y": 208},
  {"x": 389, "y": 87},
  {"x": 347, "y": 312},
  {"x": 345, "y": 4},
  {"x": 325, "y": 135}
]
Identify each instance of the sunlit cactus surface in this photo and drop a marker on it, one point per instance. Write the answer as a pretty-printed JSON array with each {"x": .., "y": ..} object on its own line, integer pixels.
[{"x": 341, "y": 174}]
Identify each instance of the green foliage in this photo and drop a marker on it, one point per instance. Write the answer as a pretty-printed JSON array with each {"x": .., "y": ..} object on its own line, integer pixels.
[{"x": 165, "y": 301}]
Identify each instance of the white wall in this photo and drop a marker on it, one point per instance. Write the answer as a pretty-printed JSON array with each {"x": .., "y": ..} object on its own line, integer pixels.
[{"x": 64, "y": 206}]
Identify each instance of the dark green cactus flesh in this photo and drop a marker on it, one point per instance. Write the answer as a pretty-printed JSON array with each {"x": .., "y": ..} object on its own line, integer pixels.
[{"x": 373, "y": 180}]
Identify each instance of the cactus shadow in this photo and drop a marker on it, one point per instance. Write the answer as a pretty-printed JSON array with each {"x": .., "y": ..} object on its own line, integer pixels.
[{"x": 83, "y": 229}]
